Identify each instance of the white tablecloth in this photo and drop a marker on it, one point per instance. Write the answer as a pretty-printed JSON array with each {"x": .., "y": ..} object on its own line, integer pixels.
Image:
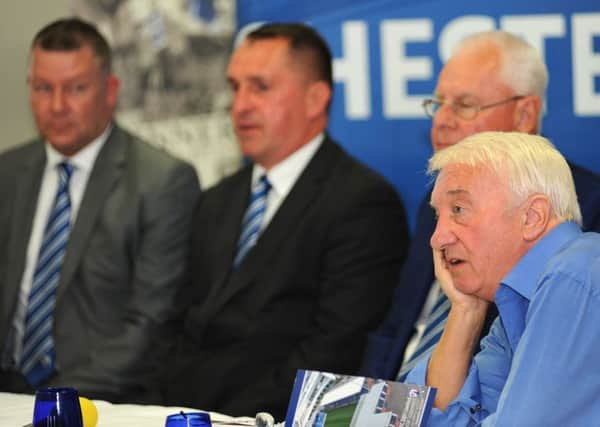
[{"x": 16, "y": 410}]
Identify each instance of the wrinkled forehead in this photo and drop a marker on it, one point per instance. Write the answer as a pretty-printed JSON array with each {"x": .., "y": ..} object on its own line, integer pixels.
[
  {"x": 460, "y": 179},
  {"x": 472, "y": 72}
]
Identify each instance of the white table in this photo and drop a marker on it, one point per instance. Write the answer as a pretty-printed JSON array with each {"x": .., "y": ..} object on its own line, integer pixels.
[{"x": 16, "y": 410}]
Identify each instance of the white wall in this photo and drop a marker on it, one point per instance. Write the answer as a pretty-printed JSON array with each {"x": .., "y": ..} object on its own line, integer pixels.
[{"x": 19, "y": 21}]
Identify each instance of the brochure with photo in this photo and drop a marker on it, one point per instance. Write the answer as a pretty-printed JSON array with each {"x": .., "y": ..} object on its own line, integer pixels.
[{"x": 323, "y": 399}]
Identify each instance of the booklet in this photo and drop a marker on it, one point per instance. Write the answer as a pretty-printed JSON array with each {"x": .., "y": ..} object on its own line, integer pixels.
[{"x": 323, "y": 399}]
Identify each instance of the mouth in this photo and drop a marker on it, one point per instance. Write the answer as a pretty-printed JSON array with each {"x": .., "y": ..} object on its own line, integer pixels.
[
  {"x": 246, "y": 128},
  {"x": 59, "y": 127},
  {"x": 452, "y": 261},
  {"x": 441, "y": 145}
]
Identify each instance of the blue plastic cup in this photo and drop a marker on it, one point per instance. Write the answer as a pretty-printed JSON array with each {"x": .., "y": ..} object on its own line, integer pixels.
[
  {"x": 188, "y": 419},
  {"x": 57, "y": 406}
]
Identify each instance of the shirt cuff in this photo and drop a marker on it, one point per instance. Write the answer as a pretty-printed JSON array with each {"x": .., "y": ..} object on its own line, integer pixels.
[{"x": 465, "y": 410}]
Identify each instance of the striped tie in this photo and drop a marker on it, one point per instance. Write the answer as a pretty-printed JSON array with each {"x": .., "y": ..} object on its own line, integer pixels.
[
  {"x": 433, "y": 331},
  {"x": 37, "y": 361},
  {"x": 253, "y": 219}
]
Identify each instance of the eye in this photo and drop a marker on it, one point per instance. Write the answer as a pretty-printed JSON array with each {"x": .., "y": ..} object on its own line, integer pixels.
[
  {"x": 42, "y": 88},
  {"x": 261, "y": 86},
  {"x": 456, "y": 210},
  {"x": 465, "y": 106},
  {"x": 466, "y": 111},
  {"x": 76, "y": 88},
  {"x": 233, "y": 86}
]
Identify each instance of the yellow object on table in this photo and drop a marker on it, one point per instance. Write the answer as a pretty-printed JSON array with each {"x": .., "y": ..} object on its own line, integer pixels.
[
  {"x": 16, "y": 410},
  {"x": 89, "y": 412}
]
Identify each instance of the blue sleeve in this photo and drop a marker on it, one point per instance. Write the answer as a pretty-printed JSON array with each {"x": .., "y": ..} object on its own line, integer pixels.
[
  {"x": 554, "y": 377},
  {"x": 479, "y": 395}
]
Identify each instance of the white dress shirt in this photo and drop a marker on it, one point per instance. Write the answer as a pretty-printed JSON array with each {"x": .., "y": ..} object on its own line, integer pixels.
[
  {"x": 284, "y": 175},
  {"x": 83, "y": 162}
]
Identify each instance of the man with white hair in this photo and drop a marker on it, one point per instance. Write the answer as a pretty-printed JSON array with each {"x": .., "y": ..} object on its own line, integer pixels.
[
  {"x": 508, "y": 232},
  {"x": 494, "y": 81}
]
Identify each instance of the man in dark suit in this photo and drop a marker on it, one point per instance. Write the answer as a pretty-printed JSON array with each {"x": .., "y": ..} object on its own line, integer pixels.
[
  {"x": 493, "y": 81},
  {"x": 332, "y": 237},
  {"x": 99, "y": 317}
]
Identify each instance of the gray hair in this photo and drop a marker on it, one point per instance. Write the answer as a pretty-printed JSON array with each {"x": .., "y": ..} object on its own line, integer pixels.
[
  {"x": 530, "y": 164},
  {"x": 522, "y": 67}
]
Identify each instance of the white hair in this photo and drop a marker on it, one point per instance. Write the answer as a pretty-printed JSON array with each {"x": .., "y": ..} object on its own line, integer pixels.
[{"x": 530, "y": 164}]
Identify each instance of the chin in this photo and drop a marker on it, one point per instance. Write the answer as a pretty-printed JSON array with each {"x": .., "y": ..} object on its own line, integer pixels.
[
  {"x": 248, "y": 144},
  {"x": 66, "y": 146},
  {"x": 441, "y": 146},
  {"x": 466, "y": 287}
]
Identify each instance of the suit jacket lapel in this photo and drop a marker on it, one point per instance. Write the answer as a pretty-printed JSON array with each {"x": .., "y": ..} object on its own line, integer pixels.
[
  {"x": 106, "y": 171},
  {"x": 26, "y": 195},
  {"x": 289, "y": 213},
  {"x": 239, "y": 196}
]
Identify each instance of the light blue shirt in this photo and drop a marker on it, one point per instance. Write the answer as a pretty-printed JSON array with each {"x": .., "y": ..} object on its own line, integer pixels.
[{"x": 540, "y": 363}]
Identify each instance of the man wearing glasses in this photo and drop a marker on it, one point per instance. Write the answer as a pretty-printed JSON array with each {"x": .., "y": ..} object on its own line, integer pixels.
[{"x": 493, "y": 81}]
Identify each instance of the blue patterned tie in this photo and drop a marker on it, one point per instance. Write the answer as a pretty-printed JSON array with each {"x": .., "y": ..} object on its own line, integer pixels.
[
  {"x": 253, "y": 219},
  {"x": 37, "y": 361},
  {"x": 433, "y": 331}
]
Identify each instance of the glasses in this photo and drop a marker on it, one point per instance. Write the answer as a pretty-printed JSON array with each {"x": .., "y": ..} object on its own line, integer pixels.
[{"x": 464, "y": 111}]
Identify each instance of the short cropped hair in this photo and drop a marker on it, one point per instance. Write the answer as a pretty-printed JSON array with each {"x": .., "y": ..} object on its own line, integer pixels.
[
  {"x": 70, "y": 34},
  {"x": 303, "y": 40},
  {"x": 530, "y": 164},
  {"x": 522, "y": 66}
]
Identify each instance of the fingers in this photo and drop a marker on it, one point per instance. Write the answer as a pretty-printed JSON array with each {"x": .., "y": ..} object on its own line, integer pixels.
[{"x": 441, "y": 270}]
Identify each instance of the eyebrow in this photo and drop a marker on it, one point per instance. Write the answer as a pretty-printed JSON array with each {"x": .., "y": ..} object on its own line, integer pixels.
[
  {"x": 254, "y": 78},
  {"x": 456, "y": 192},
  {"x": 460, "y": 97}
]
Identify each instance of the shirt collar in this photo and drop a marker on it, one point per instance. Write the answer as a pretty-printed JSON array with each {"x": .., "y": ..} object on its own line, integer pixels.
[
  {"x": 523, "y": 278},
  {"x": 519, "y": 285},
  {"x": 283, "y": 175},
  {"x": 84, "y": 159}
]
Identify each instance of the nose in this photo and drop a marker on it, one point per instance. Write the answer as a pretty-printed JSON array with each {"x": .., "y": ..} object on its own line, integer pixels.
[
  {"x": 241, "y": 101},
  {"x": 443, "y": 235},
  {"x": 444, "y": 117},
  {"x": 58, "y": 101}
]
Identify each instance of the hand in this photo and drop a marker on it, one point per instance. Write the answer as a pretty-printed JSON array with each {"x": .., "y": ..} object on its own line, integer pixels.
[
  {"x": 456, "y": 297},
  {"x": 449, "y": 363}
]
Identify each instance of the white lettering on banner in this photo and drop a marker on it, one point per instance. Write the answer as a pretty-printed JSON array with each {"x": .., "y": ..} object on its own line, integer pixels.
[
  {"x": 353, "y": 70},
  {"x": 459, "y": 28},
  {"x": 398, "y": 68},
  {"x": 586, "y": 63}
]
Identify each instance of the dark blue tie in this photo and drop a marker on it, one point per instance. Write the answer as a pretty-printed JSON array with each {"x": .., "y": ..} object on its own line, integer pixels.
[
  {"x": 38, "y": 359},
  {"x": 253, "y": 219},
  {"x": 433, "y": 331}
]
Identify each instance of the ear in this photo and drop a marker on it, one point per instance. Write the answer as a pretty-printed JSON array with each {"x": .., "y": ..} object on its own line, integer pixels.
[
  {"x": 527, "y": 114},
  {"x": 112, "y": 90},
  {"x": 317, "y": 98},
  {"x": 537, "y": 215}
]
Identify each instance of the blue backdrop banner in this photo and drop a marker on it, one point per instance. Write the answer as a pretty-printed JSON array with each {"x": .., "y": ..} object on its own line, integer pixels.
[{"x": 387, "y": 54}]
